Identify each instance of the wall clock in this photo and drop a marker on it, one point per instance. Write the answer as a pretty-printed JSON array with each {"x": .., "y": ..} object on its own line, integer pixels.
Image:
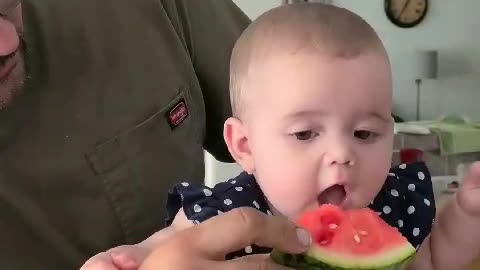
[{"x": 406, "y": 13}]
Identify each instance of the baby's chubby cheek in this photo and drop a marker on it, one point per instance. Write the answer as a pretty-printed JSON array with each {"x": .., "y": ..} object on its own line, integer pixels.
[
  {"x": 362, "y": 196},
  {"x": 365, "y": 191},
  {"x": 289, "y": 200}
]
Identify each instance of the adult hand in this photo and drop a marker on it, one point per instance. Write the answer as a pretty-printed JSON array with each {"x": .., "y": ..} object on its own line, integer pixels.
[
  {"x": 468, "y": 196},
  {"x": 128, "y": 257},
  {"x": 205, "y": 246}
]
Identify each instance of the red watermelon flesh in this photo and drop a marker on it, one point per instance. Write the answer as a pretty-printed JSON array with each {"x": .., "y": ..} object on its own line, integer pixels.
[{"x": 353, "y": 239}]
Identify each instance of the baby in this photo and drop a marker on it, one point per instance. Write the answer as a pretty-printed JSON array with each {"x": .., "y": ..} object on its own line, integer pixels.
[{"x": 311, "y": 93}]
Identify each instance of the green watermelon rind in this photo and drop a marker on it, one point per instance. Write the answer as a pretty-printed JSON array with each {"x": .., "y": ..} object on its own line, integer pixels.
[{"x": 308, "y": 261}]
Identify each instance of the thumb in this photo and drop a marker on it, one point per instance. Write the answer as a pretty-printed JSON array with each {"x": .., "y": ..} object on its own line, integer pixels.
[
  {"x": 128, "y": 257},
  {"x": 242, "y": 227},
  {"x": 472, "y": 179},
  {"x": 468, "y": 196}
]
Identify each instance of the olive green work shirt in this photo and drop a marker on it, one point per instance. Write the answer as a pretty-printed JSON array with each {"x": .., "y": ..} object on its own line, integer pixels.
[{"x": 122, "y": 97}]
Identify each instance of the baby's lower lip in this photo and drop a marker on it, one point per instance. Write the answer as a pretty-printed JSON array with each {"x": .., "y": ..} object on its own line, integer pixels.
[{"x": 335, "y": 194}]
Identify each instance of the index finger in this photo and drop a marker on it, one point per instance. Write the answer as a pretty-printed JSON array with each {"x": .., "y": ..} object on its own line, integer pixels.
[{"x": 243, "y": 227}]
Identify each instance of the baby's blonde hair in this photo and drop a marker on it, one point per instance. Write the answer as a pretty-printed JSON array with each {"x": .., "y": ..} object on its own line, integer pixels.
[{"x": 325, "y": 29}]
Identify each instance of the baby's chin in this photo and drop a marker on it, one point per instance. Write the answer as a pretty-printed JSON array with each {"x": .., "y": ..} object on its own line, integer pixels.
[{"x": 286, "y": 211}]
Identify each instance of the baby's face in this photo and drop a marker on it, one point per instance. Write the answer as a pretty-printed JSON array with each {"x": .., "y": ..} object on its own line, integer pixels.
[{"x": 320, "y": 130}]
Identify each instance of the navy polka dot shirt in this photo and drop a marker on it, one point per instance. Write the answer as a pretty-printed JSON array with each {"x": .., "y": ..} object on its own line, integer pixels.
[{"x": 405, "y": 201}]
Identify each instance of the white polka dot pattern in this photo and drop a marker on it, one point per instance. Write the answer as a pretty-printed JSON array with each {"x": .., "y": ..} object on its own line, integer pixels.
[
  {"x": 207, "y": 192},
  {"x": 405, "y": 201},
  {"x": 427, "y": 202}
]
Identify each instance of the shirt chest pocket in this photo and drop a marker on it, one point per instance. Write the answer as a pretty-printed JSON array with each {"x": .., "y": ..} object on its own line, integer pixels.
[{"x": 138, "y": 166}]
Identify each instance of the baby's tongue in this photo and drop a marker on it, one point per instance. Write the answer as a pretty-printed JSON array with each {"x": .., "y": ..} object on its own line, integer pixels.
[{"x": 332, "y": 195}]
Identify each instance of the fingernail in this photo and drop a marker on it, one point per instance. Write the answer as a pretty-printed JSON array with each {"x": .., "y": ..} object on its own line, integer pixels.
[{"x": 304, "y": 237}]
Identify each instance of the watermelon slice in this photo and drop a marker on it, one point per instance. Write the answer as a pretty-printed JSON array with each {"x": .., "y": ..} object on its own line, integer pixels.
[{"x": 353, "y": 239}]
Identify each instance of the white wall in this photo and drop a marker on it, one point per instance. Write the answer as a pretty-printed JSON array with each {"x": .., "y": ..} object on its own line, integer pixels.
[
  {"x": 451, "y": 27},
  {"x": 253, "y": 8}
]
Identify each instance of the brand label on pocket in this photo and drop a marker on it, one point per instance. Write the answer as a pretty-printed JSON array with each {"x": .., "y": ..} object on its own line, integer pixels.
[{"x": 177, "y": 113}]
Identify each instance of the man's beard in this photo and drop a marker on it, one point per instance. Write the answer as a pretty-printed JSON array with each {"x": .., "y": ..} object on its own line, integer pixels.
[{"x": 15, "y": 81}]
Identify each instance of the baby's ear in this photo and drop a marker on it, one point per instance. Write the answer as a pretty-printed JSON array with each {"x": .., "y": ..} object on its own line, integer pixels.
[{"x": 236, "y": 138}]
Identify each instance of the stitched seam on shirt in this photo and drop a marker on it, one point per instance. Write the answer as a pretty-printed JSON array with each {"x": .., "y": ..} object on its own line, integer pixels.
[{"x": 108, "y": 189}]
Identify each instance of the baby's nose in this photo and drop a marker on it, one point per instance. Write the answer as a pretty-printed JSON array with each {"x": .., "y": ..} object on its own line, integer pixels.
[{"x": 340, "y": 155}]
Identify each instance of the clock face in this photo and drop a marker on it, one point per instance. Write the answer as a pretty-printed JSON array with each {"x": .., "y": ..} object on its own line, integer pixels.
[{"x": 406, "y": 13}]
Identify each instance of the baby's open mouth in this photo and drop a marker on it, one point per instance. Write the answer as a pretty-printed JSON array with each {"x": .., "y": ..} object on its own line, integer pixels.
[{"x": 333, "y": 195}]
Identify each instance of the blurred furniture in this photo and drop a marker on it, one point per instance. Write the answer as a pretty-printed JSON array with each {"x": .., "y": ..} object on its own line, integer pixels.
[{"x": 428, "y": 69}]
